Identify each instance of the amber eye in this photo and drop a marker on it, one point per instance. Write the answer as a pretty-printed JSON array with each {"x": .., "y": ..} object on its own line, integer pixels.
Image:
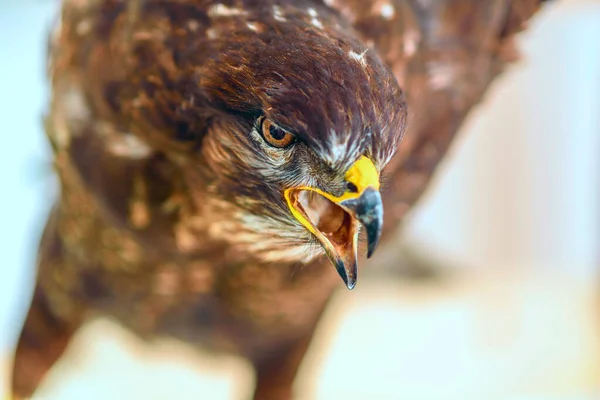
[{"x": 274, "y": 135}]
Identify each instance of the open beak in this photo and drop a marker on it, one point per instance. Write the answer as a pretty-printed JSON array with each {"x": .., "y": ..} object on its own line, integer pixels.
[{"x": 335, "y": 220}]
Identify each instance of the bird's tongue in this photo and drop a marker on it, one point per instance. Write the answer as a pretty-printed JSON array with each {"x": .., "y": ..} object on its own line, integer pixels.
[
  {"x": 330, "y": 219},
  {"x": 325, "y": 216},
  {"x": 336, "y": 230}
]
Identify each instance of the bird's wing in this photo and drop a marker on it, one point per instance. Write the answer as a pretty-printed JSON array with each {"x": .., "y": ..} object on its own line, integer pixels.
[{"x": 444, "y": 53}]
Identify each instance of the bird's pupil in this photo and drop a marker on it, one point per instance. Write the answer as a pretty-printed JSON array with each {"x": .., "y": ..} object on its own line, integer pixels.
[{"x": 276, "y": 133}]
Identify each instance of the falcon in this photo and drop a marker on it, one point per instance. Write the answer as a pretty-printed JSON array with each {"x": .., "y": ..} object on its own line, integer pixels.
[{"x": 219, "y": 160}]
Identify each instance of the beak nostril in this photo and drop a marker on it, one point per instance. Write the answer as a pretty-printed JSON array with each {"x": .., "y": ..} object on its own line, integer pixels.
[{"x": 351, "y": 187}]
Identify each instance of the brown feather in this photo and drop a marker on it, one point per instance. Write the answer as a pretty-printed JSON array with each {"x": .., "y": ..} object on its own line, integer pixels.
[{"x": 171, "y": 217}]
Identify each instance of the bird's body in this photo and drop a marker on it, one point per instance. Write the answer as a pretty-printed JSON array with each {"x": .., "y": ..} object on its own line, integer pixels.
[{"x": 185, "y": 134}]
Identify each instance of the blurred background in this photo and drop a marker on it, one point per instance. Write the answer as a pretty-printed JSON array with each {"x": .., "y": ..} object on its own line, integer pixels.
[{"x": 496, "y": 295}]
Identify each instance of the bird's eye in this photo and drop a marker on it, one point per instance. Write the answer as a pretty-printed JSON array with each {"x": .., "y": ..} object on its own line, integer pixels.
[{"x": 274, "y": 135}]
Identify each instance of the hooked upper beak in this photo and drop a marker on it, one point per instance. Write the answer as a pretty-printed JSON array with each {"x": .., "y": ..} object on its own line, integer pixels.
[{"x": 335, "y": 220}]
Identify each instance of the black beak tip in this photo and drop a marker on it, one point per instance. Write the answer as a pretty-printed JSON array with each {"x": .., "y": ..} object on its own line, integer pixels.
[
  {"x": 368, "y": 209},
  {"x": 373, "y": 240},
  {"x": 350, "y": 283},
  {"x": 370, "y": 252},
  {"x": 371, "y": 216},
  {"x": 348, "y": 276}
]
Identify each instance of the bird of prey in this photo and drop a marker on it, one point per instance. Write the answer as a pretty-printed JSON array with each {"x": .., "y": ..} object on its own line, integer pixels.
[{"x": 218, "y": 160}]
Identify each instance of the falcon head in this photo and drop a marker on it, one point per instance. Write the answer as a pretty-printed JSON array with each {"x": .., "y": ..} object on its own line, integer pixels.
[{"x": 292, "y": 120}]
